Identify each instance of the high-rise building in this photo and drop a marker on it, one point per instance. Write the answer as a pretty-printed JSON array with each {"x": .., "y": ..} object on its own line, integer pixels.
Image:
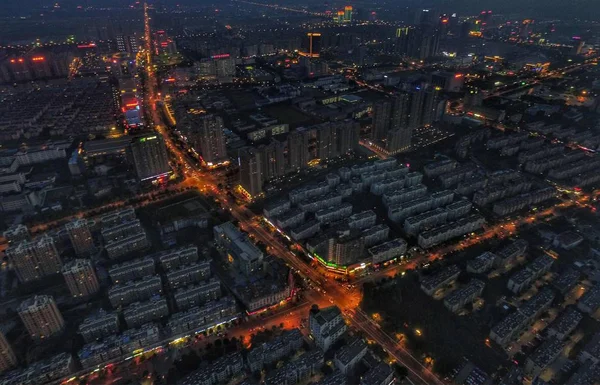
[
  {"x": 398, "y": 140},
  {"x": 127, "y": 43},
  {"x": 34, "y": 259},
  {"x": 41, "y": 316},
  {"x": 327, "y": 143},
  {"x": 224, "y": 66},
  {"x": 297, "y": 151},
  {"x": 207, "y": 136},
  {"x": 407, "y": 41},
  {"x": 417, "y": 100},
  {"x": 251, "y": 170},
  {"x": 430, "y": 105},
  {"x": 80, "y": 236},
  {"x": 273, "y": 159},
  {"x": 150, "y": 158},
  {"x": 81, "y": 278},
  {"x": 391, "y": 118},
  {"x": 418, "y": 42},
  {"x": 348, "y": 14},
  {"x": 400, "y": 111},
  {"x": 7, "y": 355},
  {"x": 311, "y": 45},
  {"x": 348, "y": 132},
  {"x": 382, "y": 111}
]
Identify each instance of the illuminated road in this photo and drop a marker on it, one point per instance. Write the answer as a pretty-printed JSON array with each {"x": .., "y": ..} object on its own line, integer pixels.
[{"x": 330, "y": 291}]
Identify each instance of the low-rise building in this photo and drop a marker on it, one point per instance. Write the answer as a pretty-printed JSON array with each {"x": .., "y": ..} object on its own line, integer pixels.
[
  {"x": 509, "y": 328},
  {"x": 308, "y": 191},
  {"x": 433, "y": 283},
  {"x": 172, "y": 259},
  {"x": 481, "y": 263},
  {"x": 458, "y": 209},
  {"x": 312, "y": 205},
  {"x": 435, "y": 217},
  {"x": 566, "y": 280},
  {"x": 564, "y": 325},
  {"x": 291, "y": 218},
  {"x": 543, "y": 356},
  {"x": 362, "y": 220},
  {"x": 273, "y": 209},
  {"x": 42, "y": 372},
  {"x": 131, "y": 270},
  {"x": 464, "y": 295},
  {"x": 297, "y": 371},
  {"x": 116, "y": 347},
  {"x": 404, "y": 194},
  {"x": 520, "y": 281},
  {"x": 388, "y": 250},
  {"x": 274, "y": 350},
  {"x": 568, "y": 240},
  {"x": 139, "y": 313},
  {"x": 508, "y": 255},
  {"x": 205, "y": 317},
  {"x": 188, "y": 274},
  {"x": 376, "y": 234},
  {"x": 590, "y": 301},
  {"x": 348, "y": 356},
  {"x": 450, "y": 230},
  {"x": 591, "y": 351},
  {"x": 123, "y": 294},
  {"x": 127, "y": 244},
  {"x": 196, "y": 295},
  {"x": 246, "y": 257},
  {"x": 333, "y": 214},
  {"x": 223, "y": 369},
  {"x": 306, "y": 230},
  {"x": 99, "y": 325},
  {"x": 381, "y": 374}
]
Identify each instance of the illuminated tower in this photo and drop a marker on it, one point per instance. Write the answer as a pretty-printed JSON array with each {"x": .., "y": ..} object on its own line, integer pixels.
[
  {"x": 348, "y": 14},
  {"x": 311, "y": 46},
  {"x": 208, "y": 138}
]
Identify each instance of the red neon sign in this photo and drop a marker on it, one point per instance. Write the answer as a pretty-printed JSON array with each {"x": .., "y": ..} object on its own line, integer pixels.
[{"x": 220, "y": 56}]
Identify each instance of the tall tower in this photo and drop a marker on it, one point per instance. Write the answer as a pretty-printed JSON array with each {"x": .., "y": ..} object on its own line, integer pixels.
[
  {"x": 273, "y": 159},
  {"x": 251, "y": 170},
  {"x": 35, "y": 259},
  {"x": 382, "y": 112},
  {"x": 348, "y": 14},
  {"x": 327, "y": 143},
  {"x": 207, "y": 136},
  {"x": 348, "y": 132},
  {"x": 297, "y": 153},
  {"x": 81, "y": 278},
  {"x": 80, "y": 236},
  {"x": 417, "y": 99},
  {"x": 7, "y": 355},
  {"x": 41, "y": 317},
  {"x": 150, "y": 158}
]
